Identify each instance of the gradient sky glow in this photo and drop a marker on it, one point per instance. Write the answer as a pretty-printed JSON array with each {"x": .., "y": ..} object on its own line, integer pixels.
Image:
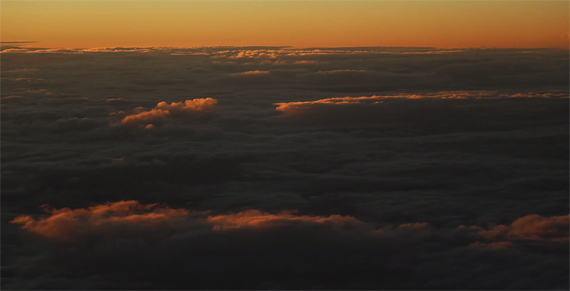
[{"x": 76, "y": 24}]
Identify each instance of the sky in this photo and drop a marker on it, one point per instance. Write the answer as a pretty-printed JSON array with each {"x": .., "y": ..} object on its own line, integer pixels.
[{"x": 450, "y": 24}]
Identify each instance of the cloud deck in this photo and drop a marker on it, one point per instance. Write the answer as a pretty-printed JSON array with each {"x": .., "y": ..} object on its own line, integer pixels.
[{"x": 271, "y": 167}]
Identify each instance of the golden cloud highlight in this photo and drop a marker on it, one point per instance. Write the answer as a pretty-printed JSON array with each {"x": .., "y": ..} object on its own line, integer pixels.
[
  {"x": 258, "y": 219},
  {"x": 251, "y": 73},
  {"x": 289, "y": 107},
  {"x": 115, "y": 219},
  {"x": 530, "y": 228},
  {"x": 293, "y": 108},
  {"x": 164, "y": 112},
  {"x": 134, "y": 220}
]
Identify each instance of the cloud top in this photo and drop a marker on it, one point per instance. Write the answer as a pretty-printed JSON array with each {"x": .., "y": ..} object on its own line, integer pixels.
[
  {"x": 173, "y": 112},
  {"x": 123, "y": 218},
  {"x": 531, "y": 228},
  {"x": 477, "y": 94},
  {"x": 132, "y": 219},
  {"x": 258, "y": 219}
]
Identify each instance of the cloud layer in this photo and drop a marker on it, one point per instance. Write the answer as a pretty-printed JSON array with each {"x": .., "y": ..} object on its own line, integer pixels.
[
  {"x": 272, "y": 167},
  {"x": 150, "y": 230}
]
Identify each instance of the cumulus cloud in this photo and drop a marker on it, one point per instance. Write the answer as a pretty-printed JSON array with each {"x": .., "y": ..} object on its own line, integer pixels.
[
  {"x": 118, "y": 219},
  {"x": 175, "y": 111},
  {"x": 527, "y": 229},
  {"x": 113, "y": 219},
  {"x": 111, "y": 234},
  {"x": 127, "y": 218}
]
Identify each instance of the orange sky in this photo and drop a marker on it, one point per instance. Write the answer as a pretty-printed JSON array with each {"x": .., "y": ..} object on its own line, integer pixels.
[{"x": 77, "y": 24}]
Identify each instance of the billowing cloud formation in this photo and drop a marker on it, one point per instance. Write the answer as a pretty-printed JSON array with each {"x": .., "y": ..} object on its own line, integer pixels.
[
  {"x": 531, "y": 228},
  {"x": 122, "y": 218},
  {"x": 535, "y": 227},
  {"x": 129, "y": 218},
  {"x": 111, "y": 234},
  {"x": 110, "y": 219},
  {"x": 175, "y": 111}
]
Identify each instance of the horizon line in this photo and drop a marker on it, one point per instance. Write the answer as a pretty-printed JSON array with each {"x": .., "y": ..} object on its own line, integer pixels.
[{"x": 13, "y": 44}]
